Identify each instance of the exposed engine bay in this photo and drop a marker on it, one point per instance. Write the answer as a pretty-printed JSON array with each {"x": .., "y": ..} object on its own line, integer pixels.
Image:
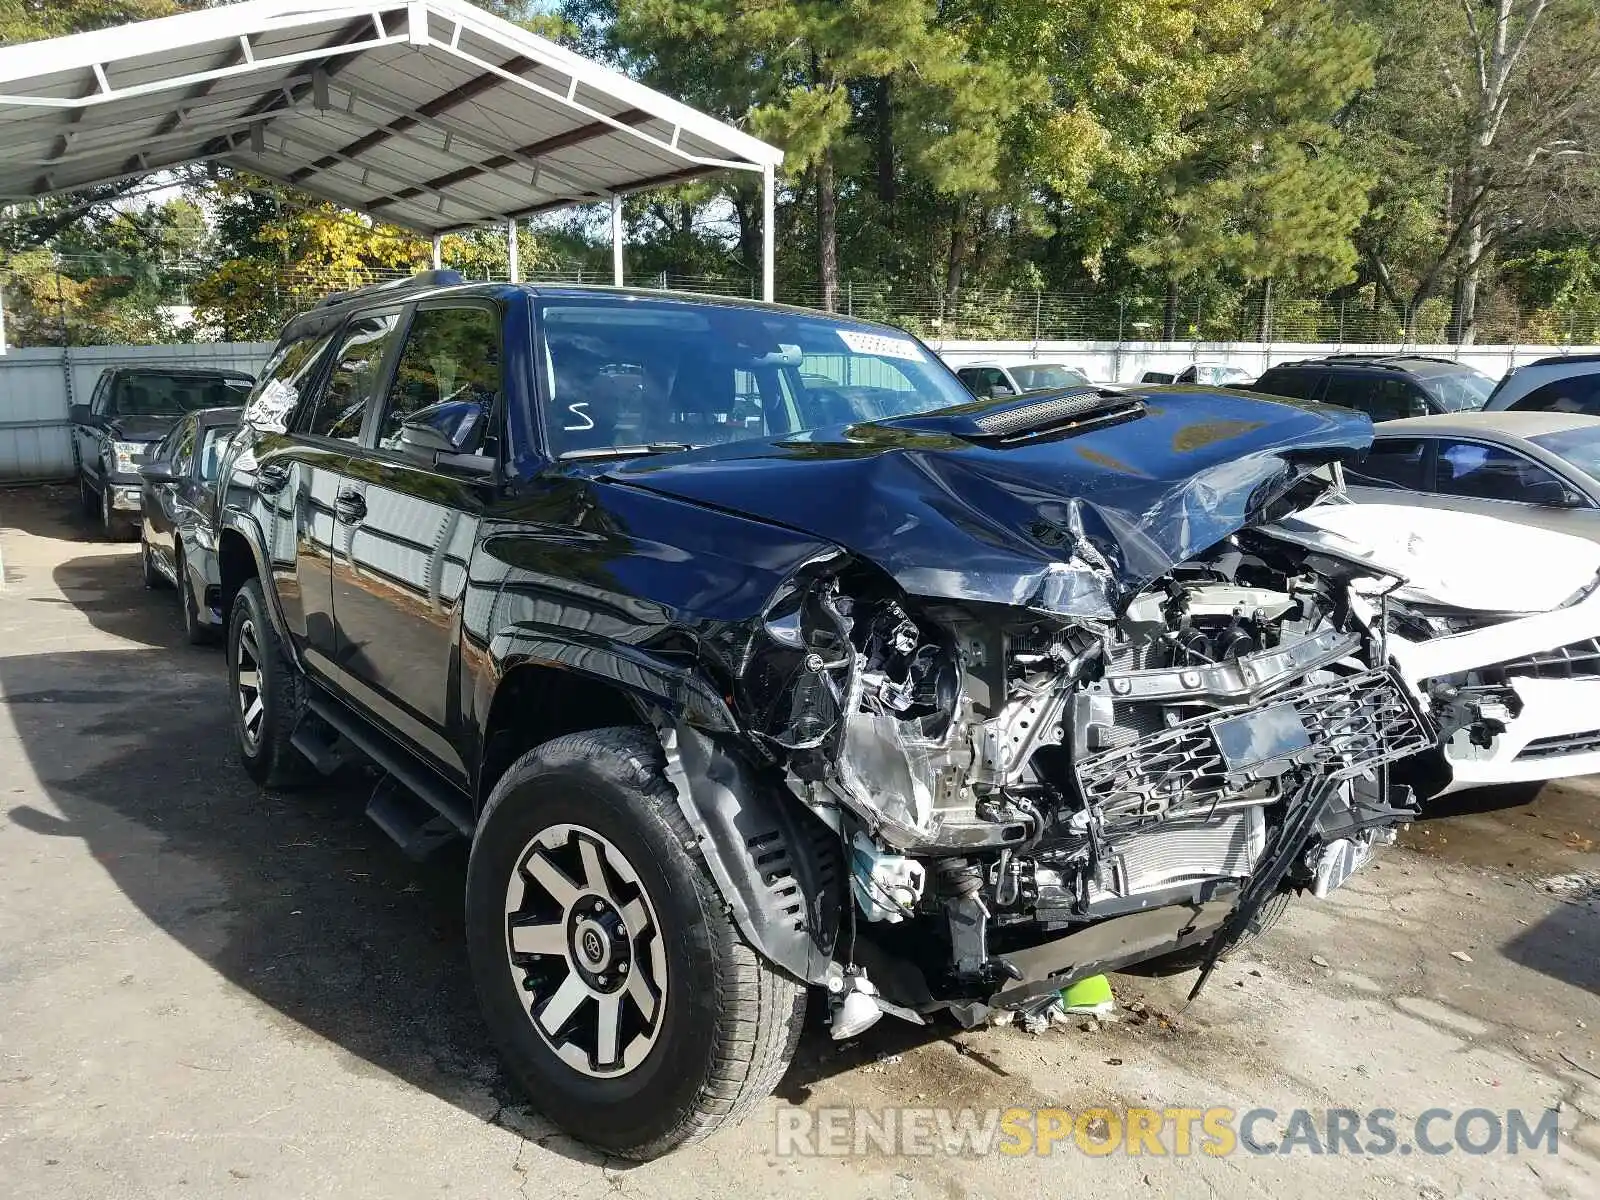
[{"x": 1001, "y": 778}]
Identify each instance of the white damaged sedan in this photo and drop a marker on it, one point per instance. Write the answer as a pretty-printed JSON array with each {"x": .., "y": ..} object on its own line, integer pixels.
[{"x": 1497, "y": 627}]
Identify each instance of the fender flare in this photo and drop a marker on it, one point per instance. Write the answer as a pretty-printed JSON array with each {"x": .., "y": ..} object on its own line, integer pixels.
[
  {"x": 245, "y": 526},
  {"x": 654, "y": 683}
]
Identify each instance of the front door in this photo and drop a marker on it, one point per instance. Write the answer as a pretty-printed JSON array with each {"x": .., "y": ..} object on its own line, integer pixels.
[
  {"x": 165, "y": 501},
  {"x": 86, "y": 435},
  {"x": 397, "y": 594}
]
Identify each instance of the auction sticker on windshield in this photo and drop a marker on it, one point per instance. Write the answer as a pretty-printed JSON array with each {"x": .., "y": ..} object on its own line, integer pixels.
[{"x": 877, "y": 343}]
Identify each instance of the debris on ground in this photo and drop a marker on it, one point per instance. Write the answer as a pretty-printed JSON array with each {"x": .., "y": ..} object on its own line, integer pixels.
[
  {"x": 1089, "y": 997},
  {"x": 1462, "y": 955}
]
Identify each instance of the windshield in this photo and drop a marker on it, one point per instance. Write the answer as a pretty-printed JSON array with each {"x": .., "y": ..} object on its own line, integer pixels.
[
  {"x": 1580, "y": 447},
  {"x": 154, "y": 394},
  {"x": 1219, "y": 375},
  {"x": 1036, "y": 376},
  {"x": 1458, "y": 389},
  {"x": 630, "y": 375}
]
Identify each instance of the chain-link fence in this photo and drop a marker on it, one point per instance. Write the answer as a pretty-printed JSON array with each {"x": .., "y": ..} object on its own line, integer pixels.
[{"x": 193, "y": 302}]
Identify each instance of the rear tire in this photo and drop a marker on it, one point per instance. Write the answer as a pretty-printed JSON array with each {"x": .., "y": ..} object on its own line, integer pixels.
[
  {"x": 711, "y": 1027},
  {"x": 268, "y": 691}
]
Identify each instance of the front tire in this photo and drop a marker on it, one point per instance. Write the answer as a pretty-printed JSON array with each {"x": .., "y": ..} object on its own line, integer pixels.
[
  {"x": 268, "y": 693},
  {"x": 115, "y": 528},
  {"x": 153, "y": 579},
  {"x": 194, "y": 632},
  {"x": 620, "y": 993}
]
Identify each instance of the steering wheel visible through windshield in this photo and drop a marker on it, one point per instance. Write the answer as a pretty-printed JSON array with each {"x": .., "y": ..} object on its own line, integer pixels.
[{"x": 624, "y": 375}]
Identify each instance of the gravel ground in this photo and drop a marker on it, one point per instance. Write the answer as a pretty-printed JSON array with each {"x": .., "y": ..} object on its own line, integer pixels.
[{"x": 211, "y": 990}]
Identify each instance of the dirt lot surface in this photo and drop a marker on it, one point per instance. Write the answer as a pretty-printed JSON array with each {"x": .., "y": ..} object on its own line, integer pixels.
[{"x": 207, "y": 990}]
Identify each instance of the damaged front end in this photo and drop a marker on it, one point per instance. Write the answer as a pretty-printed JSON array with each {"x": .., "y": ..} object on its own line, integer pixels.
[
  {"x": 1057, "y": 693},
  {"x": 1022, "y": 799}
]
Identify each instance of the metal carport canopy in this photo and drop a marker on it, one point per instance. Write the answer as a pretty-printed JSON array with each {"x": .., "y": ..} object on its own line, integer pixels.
[{"x": 430, "y": 114}]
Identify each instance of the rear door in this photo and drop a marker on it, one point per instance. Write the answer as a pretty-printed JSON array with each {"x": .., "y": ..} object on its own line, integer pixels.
[
  {"x": 262, "y": 482},
  {"x": 322, "y": 502},
  {"x": 397, "y": 591}
]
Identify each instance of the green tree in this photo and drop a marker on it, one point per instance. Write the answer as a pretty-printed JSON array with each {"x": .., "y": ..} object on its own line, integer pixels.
[
  {"x": 1262, "y": 187},
  {"x": 798, "y": 73},
  {"x": 1481, "y": 130}
]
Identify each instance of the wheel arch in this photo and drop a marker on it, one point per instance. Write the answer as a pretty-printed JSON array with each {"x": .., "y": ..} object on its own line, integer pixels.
[
  {"x": 534, "y": 703},
  {"x": 776, "y": 864}
]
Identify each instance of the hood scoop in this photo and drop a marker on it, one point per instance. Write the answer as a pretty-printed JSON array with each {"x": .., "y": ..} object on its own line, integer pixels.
[{"x": 1017, "y": 421}]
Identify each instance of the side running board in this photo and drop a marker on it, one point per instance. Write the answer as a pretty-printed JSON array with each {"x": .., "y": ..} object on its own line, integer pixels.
[{"x": 422, "y": 812}]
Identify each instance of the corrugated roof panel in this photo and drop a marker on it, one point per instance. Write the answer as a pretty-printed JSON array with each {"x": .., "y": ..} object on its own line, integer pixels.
[{"x": 423, "y": 131}]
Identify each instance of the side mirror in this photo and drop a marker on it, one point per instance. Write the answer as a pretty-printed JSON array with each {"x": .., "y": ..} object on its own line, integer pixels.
[
  {"x": 999, "y": 389},
  {"x": 78, "y": 414},
  {"x": 441, "y": 433},
  {"x": 1570, "y": 498},
  {"x": 424, "y": 440},
  {"x": 157, "y": 472}
]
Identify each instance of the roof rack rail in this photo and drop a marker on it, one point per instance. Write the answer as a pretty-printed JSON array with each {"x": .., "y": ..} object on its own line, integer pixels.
[
  {"x": 439, "y": 278},
  {"x": 1552, "y": 360},
  {"x": 1389, "y": 361}
]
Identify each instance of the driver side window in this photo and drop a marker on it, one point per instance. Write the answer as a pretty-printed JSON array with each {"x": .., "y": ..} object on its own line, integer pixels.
[
  {"x": 183, "y": 452},
  {"x": 450, "y": 367}
]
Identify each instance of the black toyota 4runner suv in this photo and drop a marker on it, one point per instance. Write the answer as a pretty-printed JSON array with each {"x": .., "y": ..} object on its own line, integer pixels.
[{"x": 756, "y": 660}]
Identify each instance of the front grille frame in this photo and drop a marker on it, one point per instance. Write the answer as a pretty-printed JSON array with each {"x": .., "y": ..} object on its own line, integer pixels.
[{"x": 1356, "y": 724}]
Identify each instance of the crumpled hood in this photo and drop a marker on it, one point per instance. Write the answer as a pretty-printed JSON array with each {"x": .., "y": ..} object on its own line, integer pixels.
[
  {"x": 1465, "y": 560},
  {"x": 136, "y": 428},
  {"x": 1072, "y": 525}
]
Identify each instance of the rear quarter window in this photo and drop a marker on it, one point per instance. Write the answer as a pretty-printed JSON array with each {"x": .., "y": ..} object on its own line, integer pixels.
[{"x": 288, "y": 373}]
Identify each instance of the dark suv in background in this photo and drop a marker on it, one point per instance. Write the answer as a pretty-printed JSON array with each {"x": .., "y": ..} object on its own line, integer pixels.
[
  {"x": 754, "y": 656},
  {"x": 1384, "y": 387},
  {"x": 129, "y": 411}
]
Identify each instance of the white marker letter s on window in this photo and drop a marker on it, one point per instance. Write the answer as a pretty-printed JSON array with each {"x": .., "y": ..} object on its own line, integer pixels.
[{"x": 577, "y": 410}]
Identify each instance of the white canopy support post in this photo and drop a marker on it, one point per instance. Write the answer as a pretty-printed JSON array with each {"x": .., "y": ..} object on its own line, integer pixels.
[
  {"x": 616, "y": 239},
  {"x": 513, "y": 263},
  {"x": 2, "y": 318},
  {"x": 768, "y": 231},
  {"x": 438, "y": 251}
]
